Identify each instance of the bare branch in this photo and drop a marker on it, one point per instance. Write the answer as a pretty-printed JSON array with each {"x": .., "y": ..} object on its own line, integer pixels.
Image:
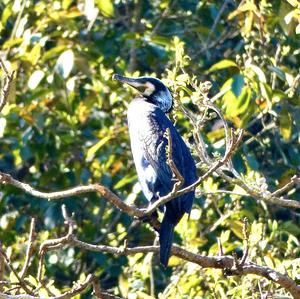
[
  {"x": 77, "y": 289},
  {"x": 11, "y": 268},
  {"x": 7, "y": 86},
  {"x": 295, "y": 180},
  {"x": 106, "y": 193},
  {"x": 29, "y": 248},
  {"x": 219, "y": 262}
]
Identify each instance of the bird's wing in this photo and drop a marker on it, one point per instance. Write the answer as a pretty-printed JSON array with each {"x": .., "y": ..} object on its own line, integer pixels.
[{"x": 155, "y": 148}]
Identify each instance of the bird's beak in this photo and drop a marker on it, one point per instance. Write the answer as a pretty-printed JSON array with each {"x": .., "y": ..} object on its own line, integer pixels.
[{"x": 134, "y": 82}]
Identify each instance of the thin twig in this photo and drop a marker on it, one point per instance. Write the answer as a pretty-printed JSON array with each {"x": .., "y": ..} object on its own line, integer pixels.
[
  {"x": 7, "y": 86},
  {"x": 295, "y": 180},
  {"x": 29, "y": 248},
  {"x": 77, "y": 289},
  {"x": 216, "y": 21},
  {"x": 11, "y": 268},
  {"x": 2, "y": 270}
]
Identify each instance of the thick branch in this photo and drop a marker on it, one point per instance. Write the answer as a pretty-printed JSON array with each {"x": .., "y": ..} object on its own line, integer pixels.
[{"x": 219, "y": 262}]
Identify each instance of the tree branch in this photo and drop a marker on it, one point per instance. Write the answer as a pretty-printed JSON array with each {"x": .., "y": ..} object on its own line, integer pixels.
[
  {"x": 6, "y": 88},
  {"x": 29, "y": 248},
  {"x": 77, "y": 289}
]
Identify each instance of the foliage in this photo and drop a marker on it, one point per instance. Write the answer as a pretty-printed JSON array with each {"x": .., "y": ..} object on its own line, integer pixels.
[{"x": 65, "y": 125}]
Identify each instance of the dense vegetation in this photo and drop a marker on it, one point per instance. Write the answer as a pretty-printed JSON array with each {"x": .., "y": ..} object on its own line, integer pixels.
[{"x": 65, "y": 125}]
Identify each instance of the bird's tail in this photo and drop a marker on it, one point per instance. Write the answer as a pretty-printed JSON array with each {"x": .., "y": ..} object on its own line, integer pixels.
[{"x": 166, "y": 240}]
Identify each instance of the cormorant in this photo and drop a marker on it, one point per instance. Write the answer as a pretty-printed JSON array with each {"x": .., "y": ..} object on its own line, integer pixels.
[{"x": 147, "y": 122}]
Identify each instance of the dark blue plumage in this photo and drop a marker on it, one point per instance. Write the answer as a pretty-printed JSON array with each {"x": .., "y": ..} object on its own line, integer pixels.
[{"x": 147, "y": 126}]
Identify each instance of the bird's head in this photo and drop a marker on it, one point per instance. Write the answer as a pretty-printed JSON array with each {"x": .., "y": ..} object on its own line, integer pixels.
[{"x": 152, "y": 89}]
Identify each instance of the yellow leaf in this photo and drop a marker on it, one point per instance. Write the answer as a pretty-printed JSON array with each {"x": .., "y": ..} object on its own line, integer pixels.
[
  {"x": 294, "y": 3},
  {"x": 285, "y": 124},
  {"x": 106, "y": 7},
  {"x": 243, "y": 8},
  {"x": 142, "y": 295},
  {"x": 223, "y": 64},
  {"x": 248, "y": 22},
  {"x": 236, "y": 227},
  {"x": 93, "y": 149},
  {"x": 35, "y": 54}
]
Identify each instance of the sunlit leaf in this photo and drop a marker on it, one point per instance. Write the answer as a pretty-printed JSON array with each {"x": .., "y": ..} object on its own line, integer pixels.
[
  {"x": 2, "y": 126},
  {"x": 6, "y": 14},
  {"x": 142, "y": 295},
  {"x": 236, "y": 227},
  {"x": 35, "y": 79},
  {"x": 93, "y": 149},
  {"x": 248, "y": 6},
  {"x": 64, "y": 64},
  {"x": 125, "y": 180},
  {"x": 285, "y": 124},
  {"x": 294, "y": 3},
  {"x": 54, "y": 51},
  {"x": 12, "y": 42},
  {"x": 259, "y": 72},
  {"x": 266, "y": 91},
  {"x": 106, "y": 7},
  {"x": 223, "y": 64},
  {"x": 161, "y": 40}
]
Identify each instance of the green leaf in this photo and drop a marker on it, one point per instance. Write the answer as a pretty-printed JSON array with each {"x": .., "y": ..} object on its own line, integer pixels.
[
  {"x": 278, "y": 95},
  {"x": 259, "y": 72},
  {"x": 125, "y": 180},
  {"x": 53, "y": 52},
  {"x": 237, "y": 84},
  {"x": 285, "y": 124},
  {"x": 266, "y": 91},
  {"x": 93, "y": 149},
  {"x": 106, "y": 7},
  {"x": 223, "y": 64},
  {"x": 277, "y": 71},
  {"x": 236, "y": 227},
  {"x": 244, "y": 101},
  {"x": 161, "y": 40}
]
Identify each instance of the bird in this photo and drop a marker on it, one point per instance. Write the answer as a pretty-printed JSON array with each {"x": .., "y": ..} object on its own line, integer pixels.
[{"x": 148, "y": 123}]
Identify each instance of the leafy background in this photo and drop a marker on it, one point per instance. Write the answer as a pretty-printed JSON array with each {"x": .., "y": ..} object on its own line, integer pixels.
[{"x": 65, "y": 125}]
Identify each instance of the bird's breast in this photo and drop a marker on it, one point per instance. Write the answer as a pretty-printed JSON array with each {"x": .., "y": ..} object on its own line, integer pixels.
[{"x": 142, "y": 136}]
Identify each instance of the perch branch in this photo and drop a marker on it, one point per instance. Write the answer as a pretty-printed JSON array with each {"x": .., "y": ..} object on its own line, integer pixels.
[{"x": 228, "y": 263}]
